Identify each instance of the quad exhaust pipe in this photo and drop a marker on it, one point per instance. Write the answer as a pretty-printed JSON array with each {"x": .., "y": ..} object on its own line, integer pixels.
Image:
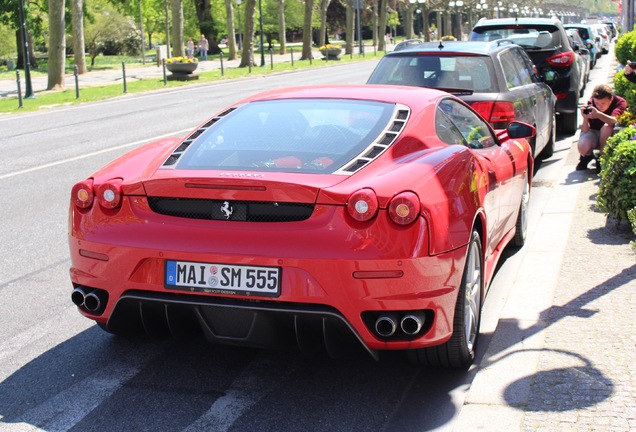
[
  {"x": 386, "y": 325},
  {"x": 91, "y": 300},
  {"x": 410, "y": 323}
]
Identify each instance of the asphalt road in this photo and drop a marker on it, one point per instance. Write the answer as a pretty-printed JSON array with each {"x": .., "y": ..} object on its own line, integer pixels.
[{"x": 58, "y": 371}]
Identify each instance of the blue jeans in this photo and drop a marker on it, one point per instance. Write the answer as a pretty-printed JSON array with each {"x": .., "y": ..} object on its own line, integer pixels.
[{"x": 204, "y": 54}]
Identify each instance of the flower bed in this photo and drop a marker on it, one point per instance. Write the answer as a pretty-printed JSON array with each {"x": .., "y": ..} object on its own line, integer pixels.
[{"x": 330, "y": 52}]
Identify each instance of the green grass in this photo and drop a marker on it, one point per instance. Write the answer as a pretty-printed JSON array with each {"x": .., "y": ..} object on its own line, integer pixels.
[{"x": 50, "y": 99}]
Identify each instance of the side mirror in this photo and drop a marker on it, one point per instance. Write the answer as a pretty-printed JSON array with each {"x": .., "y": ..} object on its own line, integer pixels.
[{"x": 520, "y": 130}]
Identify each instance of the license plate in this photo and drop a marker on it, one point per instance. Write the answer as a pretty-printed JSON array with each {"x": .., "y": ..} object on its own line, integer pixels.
[{"x": 223, "y": 278}]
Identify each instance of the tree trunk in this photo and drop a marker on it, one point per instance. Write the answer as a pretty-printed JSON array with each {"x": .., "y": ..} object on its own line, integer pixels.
[
  {"x": 307, "y": 30},
  {"x": 324, "y": 5},
  {"x": 382, "y": 27},
  {"x": 20, "y": 45},
  {"x": 408, "y": 20},
  {"x": 207, "y": 25},
  {"x": 57, "y": 45},
  {"x": 350, "y": 30},
  {"x": 281, "y": 27},
  {"x": 231, "y": 38},
  {"x": 168, "y": 52},
  {"x": 178, "y": 44},
  {"x": 78, "y": 36},
  {"x": 247, "y": 54}
]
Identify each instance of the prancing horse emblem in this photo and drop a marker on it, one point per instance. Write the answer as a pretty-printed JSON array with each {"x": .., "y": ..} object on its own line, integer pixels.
[{"x": 227, "y": 210}]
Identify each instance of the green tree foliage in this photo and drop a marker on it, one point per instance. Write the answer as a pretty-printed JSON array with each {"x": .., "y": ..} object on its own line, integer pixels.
[
  {"x": 7, "y": 41},
  {"x": 111, "y": 33},
  {"x": 625, "y": 48}
]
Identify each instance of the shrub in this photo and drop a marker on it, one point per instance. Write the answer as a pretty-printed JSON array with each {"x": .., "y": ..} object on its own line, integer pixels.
[
  {"x": 625, "y": 48},
  {"x": 627, "y": 118},
  {"x": 626, "y": 89},
  {"x": 617, "y": 190},
  {"x": 631, "y": 215}
]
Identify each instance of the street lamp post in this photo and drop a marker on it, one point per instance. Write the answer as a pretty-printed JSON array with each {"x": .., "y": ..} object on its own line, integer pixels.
[
  {"x": 260, "y": 12},
  {"x": 28, "y": 90},
  {"x": 238, "y": 6}
]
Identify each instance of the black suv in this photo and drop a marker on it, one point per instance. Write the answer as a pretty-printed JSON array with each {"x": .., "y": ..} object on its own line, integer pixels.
[
  {"x": 497, "y": 79},
  {"x": 547, "y": 44}
]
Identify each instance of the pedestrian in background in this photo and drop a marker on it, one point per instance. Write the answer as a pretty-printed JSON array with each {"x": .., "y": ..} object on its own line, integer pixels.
[
  {"x": 599, "y": 117},
  {"x": 203, "y": 48},
  {"x": 190, "y": 48}
]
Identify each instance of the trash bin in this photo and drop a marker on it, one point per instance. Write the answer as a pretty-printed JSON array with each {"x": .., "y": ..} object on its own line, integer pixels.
[{"x": 162, "y": 53}]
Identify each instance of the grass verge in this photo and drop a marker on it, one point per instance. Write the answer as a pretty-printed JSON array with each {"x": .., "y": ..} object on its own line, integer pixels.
[{"x": 67, "y": 97}]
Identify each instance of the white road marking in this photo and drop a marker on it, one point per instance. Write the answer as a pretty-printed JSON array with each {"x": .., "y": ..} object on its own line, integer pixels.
[
  {"x": 257, "y": 381},
  {"x": 95, "y": 153}
]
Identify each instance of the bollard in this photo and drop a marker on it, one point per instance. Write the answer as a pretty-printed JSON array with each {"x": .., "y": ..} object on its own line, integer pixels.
[
  {"x": 326, "y": 56},
  {"x": 249, "y": 62},
  {"x": 292, "y": 55},
  {"x": 165, "y": 78},
  {"x": 271, "y": 57},
  {"x": 17, "y": 74},
  {"x": 75, "y": 73},
  {"x": 374, "y": 50},
  {"x": 123, "y": 70},
  {"x": 351, "y": 54},
  {"x": 221, "y": 58},
  {"x": 311, "y": 57}
]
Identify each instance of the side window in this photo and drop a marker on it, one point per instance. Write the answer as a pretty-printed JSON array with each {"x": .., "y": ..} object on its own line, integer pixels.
[
  {"x": 525, "y": 74},
  {"x": 529, "y": 66},
  {"x": 458, "y": 124},
  {"x": 512, "y": 78}
]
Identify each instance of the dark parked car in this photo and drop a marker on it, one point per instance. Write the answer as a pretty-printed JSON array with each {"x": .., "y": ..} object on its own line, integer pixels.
[
  {"x": 592, "y": 41},
  {"x": 583, "y": 57},
  {"x": 497, "y": 79},
  {"x": 547, "y": 44}
]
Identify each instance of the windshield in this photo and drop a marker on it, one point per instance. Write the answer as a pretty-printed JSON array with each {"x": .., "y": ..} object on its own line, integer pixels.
[
  {"x": 469, "y": 72},
  {"x": 306, "y": 136},
  {"x": 529, "y": 37}
]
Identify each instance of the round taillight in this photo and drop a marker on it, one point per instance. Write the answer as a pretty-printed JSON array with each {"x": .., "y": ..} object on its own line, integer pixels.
[
  {"x": 404, "y": 208},
  {"x": 363, "y": 205},
  {"x": 109, "y": 194},
  {"x": 82, "y": 194}
]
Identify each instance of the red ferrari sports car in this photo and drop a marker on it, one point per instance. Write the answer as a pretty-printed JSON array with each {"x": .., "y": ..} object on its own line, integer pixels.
[{"x": 310, "y": 217}]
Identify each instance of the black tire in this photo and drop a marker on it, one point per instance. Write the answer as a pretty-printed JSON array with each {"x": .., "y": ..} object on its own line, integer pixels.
[
  {"x": 522, "y": 217},
  {"x": 569, "y": 122},
  {"x": 548, "y": 150},
  {"x": 459, "y": 351}
]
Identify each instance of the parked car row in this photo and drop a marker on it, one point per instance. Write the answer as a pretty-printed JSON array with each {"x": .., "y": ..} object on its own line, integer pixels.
[{"x": 496, "y": 78}]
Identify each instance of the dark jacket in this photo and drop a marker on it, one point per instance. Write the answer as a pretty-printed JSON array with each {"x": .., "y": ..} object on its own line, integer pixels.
[{"x": 631, "y": 77}]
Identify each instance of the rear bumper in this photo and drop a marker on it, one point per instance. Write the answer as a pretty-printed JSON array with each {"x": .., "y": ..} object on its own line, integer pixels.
[{"x": 333, "y": 276}]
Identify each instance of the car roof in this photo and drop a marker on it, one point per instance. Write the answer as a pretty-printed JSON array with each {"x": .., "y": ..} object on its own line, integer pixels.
[
  {"x": 464, "y": 47},
  {"x": 517, "y": 21}
]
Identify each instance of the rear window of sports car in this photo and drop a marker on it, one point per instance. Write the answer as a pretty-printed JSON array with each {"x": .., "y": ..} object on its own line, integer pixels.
[{"x": 300, "y": 135}]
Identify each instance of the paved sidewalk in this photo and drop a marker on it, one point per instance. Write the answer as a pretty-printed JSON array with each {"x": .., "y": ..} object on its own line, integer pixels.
[{"x": 563, "y": 357}]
